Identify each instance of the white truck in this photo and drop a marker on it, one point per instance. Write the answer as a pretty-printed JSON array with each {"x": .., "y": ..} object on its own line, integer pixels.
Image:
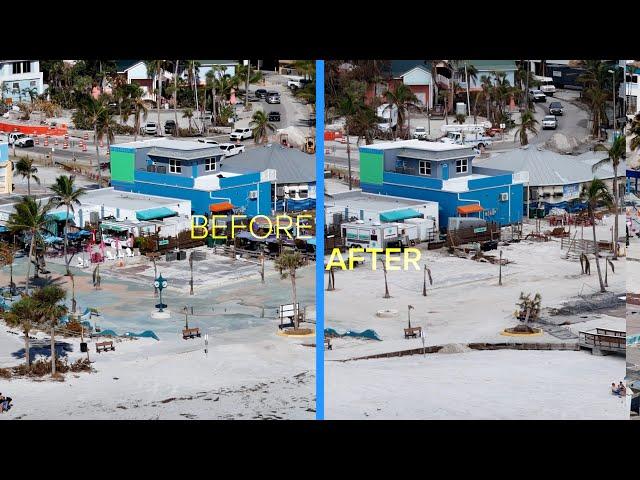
[
  {"x": 420, "y": 133},
  {"x": 20, "y": 140},
  {"x": 546, "y": 85},
  {"x": 387, "y": 117},
  {"x": 475, "y": 140}
]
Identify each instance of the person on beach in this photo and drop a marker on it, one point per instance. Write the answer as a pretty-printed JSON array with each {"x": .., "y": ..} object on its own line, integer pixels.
[
  {"x": 622, "y": 390},
  {"x": 5, "y": 403}
]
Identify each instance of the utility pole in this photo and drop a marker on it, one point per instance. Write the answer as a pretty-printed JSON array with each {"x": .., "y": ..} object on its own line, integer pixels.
[{"x": 500, "y": 269}]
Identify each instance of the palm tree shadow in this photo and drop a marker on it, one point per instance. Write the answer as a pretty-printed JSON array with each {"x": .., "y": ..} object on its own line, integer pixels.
[{"x": 43, "y": 349}]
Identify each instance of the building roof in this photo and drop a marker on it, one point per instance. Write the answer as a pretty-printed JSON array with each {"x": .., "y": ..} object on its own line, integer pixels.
[
  {"x": 400, "y": 67},
  {"x": 494, "y": 65},
  {"x": 183, "y": 150},
  {"x": 123, "y": 65},
  {"x": 416, "y": 144},
  {"x": 548, "y": 168},
  {"x": 218, "y": 62},
  {"x": 357, "y": 200},
  {"x": 291, "y": 164}
]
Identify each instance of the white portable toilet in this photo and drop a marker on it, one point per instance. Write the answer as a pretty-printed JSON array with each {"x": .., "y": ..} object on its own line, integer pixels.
[{"x": 461, "y": 108}]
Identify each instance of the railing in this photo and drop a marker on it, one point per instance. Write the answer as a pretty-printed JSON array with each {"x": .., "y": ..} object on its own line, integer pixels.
[{"x": 615, "y": 342}]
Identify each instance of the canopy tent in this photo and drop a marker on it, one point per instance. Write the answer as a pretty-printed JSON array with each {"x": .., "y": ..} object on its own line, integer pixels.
[
  {"x": 220, "y": 207},
  {"x": 155, "y": 213},
  {"x": 60, "y": 216},
  {"x": 467, "y": 209},
  {"x": 399, "y": 215},
  {"x": 113, "y": 226}
]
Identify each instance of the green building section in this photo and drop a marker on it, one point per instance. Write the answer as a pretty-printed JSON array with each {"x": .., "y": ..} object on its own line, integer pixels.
[
  {"x": 122, "y": 165},
  {"x": 371, "y": 167}
]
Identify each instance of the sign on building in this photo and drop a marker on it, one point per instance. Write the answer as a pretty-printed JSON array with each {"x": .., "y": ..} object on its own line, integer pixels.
[{"x": 569, "y": 192}]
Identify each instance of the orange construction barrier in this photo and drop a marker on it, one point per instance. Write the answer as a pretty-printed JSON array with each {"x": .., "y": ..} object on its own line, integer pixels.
[
  {"x": 84, "y": 146},
  {"x": 86, "y": 136},
  {"x": 36, "y": 140},
  {"x": 46, "y": 141},
  {"x": 65, "y": 145}
]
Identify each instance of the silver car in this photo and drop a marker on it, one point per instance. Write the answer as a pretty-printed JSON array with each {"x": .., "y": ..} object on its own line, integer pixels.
[{"x": 549, "y": 121}]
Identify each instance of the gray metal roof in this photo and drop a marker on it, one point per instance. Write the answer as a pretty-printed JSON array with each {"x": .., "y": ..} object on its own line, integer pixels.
[
  {"x": 181, "y": 154},
  {"x": 291, "y": 164},
  {"x": 548, "y": 168}
]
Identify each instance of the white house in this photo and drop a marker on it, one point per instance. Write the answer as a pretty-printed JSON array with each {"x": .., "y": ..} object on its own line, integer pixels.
[{"x": 18, "y": 78}]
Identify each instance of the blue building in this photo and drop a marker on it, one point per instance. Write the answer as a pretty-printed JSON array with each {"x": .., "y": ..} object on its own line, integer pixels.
[
  {"x": 442, "y": 173},
  {"x": 194, "y": 171}
]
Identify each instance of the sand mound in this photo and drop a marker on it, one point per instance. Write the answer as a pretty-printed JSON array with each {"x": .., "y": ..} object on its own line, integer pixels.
[{"x": 454, "y": 348}]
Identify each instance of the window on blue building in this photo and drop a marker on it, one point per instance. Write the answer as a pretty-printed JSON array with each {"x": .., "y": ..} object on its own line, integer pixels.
[
  {"x": 210, "y": 164},
  {"x": 425, "y": 167},
  {"x": 462, "y": 166},
  {"x": 175, "y": 166}
]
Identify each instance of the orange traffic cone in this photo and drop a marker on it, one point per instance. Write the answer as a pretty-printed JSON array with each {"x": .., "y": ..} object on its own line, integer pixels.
[
  {"x": 101, "y": 143},
  {"x": 84, "y": 146},
  {"x": 36, "y": 140},
  {"x": 46, "y": 141},
  {"x": 86, "y": 136}
]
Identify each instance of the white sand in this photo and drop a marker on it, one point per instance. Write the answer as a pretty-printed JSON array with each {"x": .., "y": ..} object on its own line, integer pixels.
[{"x": 464, "y": 305}]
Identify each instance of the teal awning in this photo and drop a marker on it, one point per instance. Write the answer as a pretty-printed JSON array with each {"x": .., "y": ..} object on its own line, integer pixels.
[
  {"x": 113, "y": 226},
  {"x": 399, "y": 215},
  {"x": 155, "y": 213},
  {"x": 59, "y": 216}
]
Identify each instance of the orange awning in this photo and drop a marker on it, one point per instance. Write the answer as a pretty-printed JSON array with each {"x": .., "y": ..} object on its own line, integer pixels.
[
  {"x": 220, "y": 207},
  {"x": 467, "y": 209}
]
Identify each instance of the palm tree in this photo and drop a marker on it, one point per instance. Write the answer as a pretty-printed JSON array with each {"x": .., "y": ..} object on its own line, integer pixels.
[
  {"x": 288, "y": 263},
  {"x": 51, "y": 311},
  {"x": 24, "y": 315},
  {"x": 634, "y": 133},
  {"x": 596, "y": 193},
  {"x": 597, "y": 100},
  {"x": 154, "y": 70},
  {"x": 188, "y": 113},
  {"x": 527, "y": 124},
  {"x": 348, "y": 107},
  {"x": 261, "y": 127},
  {"x": 460, "y": 118},
  {"x": 402, "y": 98},
  {"x": 66, "y": 195},
  {"x": 29, "y": 217},
  {"x": 27, "y": 170},
  {"x": 139, "y": 108},
  {"x": 615, "y": 152}
]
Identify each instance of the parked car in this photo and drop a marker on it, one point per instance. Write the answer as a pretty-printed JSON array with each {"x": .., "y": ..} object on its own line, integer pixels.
[
  {"x": 20, "y": 140},
  {"x": 420, "y": 133},
  {"x": 296, "y": 83},
  {"x": 208, "y": 141},
  {"x": 240, "y": 134},
  {"x": 549, "y": 121},
  {"x": 170, "y": 127},
  {"x": 273, "y": 97},
  {"x": 150, "y": 128},
  {"x": 555, "y": 108},
  {"x": 274, "y": 116},
  {"x": 261, "y": 93},
  {"x": 537, "y": 95},
  {"x": 231, "y": 149}
]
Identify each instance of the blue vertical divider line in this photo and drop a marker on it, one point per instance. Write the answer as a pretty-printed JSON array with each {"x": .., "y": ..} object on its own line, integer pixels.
[{"x": 320, "y": 240}]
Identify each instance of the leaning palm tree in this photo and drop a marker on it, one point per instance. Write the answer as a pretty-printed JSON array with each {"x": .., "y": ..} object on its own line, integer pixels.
[
  {"x": 23, "y": 315},
  {"x": 29, "y": 217},
  {"x": 27, "y": 170},
  {"x": 261, "y": 127},
  {"x": 615, "y": 153},
  {"x": 527, "y": 124},
  {"x": 595, "y": 193},
  {"x": 68, "y": 196},
  {"x": 288, "y": 263},
  {"x": 50, "y": 310},
  {"x": 139, "y": 109}
]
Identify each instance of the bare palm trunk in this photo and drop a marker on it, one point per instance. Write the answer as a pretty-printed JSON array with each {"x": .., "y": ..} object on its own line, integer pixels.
[
  {"x": 95, "y": 140},
  {"x": 28, "y": 184},
  {"x": 33, "y": 241},
  {"x": 292, "y": 274},
  {"x": 175, "y": 98},
  {"x": 66, "y": 227},
  {"x": 348, "y": 157},
  {"x": 137, "y": 125},
  {"x": 246, "y": 88},
  {"x": 27, "y": 348},
  {"x": 159, "y": 71},
  {"x": 595, "y": 249},
  {"x": 53, "y": 350},
  {"x": 386, "y": 285},
  {"x": 616, "y": 199}
]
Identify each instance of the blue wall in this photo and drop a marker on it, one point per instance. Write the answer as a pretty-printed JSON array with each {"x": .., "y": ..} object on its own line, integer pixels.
[
  {"x": 4, "y": 152},
  {"x": 201, "y": 200},
  {"x": 448, "y": 202}
]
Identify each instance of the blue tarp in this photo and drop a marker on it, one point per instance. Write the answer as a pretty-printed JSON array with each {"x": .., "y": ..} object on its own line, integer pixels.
[
  {"x": 51, "y": 239},
  {"x": 145, "y": 334},
  {"x": 3, "y": 229},
  {"x": 296, "y": 205},
  {"x": 399, "y": 215},
  {"x": 366, "y": 334}
]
